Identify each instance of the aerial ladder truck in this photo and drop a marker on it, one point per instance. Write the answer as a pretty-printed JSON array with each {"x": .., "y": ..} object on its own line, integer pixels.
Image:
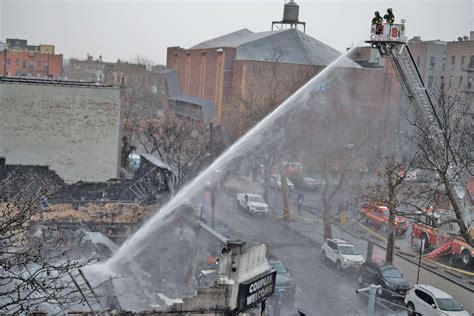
[{"x": 392, "y": 44}]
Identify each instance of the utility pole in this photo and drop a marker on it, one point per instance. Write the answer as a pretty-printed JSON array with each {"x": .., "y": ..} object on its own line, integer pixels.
[
  {"x": 4, "y": 63},
  {"x": 422, "y": 246}
]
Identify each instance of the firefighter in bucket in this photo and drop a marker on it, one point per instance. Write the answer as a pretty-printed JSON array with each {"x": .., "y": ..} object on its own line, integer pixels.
[{"x": 377, "y": 27}]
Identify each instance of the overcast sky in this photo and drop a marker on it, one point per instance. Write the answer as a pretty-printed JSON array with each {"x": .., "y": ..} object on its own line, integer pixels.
[{"x": 123, "y": 29}]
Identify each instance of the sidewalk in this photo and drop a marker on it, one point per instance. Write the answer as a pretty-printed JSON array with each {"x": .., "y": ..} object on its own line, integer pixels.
[{"x": 311, "y": 227}]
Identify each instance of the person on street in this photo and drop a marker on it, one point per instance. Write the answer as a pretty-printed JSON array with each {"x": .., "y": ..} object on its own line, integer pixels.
[
  {"x": 299, "y": 200},
  {"x": 389, "y": 17},
  {"x": 377, "y": 23}
]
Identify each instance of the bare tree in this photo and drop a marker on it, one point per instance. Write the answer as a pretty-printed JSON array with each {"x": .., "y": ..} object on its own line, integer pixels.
[
  {"x": 390, "y": 190},
  {"x": 445, "y": 147},
  {"x": 181, "y": 143},
  {"x": 141, "y": 101},
  {"x": 143, "y": 60},
  {"x": 34, "y": 271},
  {"x": 266, "y": 89}
]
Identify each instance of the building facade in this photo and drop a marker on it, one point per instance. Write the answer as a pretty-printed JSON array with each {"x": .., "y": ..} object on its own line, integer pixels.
[
  {"x": 430, "y": 59},
  {"x": 74, "y": 129},
  {"x": 266, "y": 67},
  {"x": 459, "y": 76},
  {"x": 18, "y": 59}
]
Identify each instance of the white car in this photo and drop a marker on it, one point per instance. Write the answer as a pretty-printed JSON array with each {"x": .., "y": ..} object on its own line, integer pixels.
[
  {"x": 275, "y": 181},
  {"x": 427, "y": 300},
  {"x": 341, "y": 253},
  {"x": 252, "y": 203}
]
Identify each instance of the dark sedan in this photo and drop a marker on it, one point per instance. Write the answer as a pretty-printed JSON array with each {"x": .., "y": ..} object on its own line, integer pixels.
[
  {"x": 306, "y": 183},
  {"x": 394, "y": 285}
]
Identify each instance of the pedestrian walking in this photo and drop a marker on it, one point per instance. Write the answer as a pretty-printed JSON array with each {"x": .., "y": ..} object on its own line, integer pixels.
[{"x": 299, "y": 200}]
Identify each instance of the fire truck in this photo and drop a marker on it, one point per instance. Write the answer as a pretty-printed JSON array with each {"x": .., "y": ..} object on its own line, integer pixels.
[
  {"x": 378, "y": 216},
  {"x": 444, "y": 238},
  {"x": 391, "y": 42}
]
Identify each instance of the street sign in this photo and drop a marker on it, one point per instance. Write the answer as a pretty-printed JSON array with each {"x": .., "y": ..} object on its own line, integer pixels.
[{"x": 255, "y": 290}]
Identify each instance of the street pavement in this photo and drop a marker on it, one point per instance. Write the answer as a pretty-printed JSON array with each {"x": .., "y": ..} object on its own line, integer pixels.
[
  {"x": 310, "y": 225},
  {"x": 320, "y": 289}
]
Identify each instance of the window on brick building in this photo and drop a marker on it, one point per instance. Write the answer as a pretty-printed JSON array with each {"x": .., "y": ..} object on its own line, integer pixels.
[
  {"x": 462, "y": 60},
  {"x": 450, "y": 83},
  {"x": 17, "y": 62},
  {"x": 430, "y": 82},
  {"x": 469, "y": 82},
  {"x": 23, "y": 63},
  {"x": 418, "y": 61},
  {"x": 46, "y": 66},
  {"x": 432, "y": 62},
  {"x": 460, "y": 82},
  {"x": 453, "y": 61},
  {"x": 8, "y": 62},
  {"x": 471, "y": 61}
]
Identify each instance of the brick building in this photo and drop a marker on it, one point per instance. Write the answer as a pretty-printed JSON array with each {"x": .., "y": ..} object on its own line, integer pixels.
[
  {"x": 75, "y": 129},
  {"x": 18, "y": 59},
  {"x": 140, "y": 82},
  {"x": 221, "y": 69},
  {"x": 459, "y": 75},
  {"x": 430, "y": 59},
  {"x": 244, "y": 66},
  {"x": 85, "y": 70},
  {"x": 451, "y": 63}
]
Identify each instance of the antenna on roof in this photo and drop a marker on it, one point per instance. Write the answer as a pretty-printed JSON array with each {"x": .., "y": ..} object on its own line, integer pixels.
[{"x": 290, "y": 18}]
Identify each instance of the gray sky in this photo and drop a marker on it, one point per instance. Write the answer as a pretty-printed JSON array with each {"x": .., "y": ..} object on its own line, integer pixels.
[{"x": 123, "y": 29}]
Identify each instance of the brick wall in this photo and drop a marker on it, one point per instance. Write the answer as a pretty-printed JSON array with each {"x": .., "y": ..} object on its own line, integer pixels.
[
  {"x": 35, "y": 64},
  {"x": 74, "y": 130}
]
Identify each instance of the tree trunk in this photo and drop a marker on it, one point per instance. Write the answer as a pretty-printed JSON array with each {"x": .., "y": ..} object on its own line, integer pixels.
[
  {"x": 284, "y": 193},
  {"x": 327, "y": 220},
  {"x": 458, "y": 210},
  {"x": 266, "y": 179},
  {"x": 391, "y": 237}
]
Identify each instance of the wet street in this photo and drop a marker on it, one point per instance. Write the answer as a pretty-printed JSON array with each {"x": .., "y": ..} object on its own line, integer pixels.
[{"x": 319, "y": 288}]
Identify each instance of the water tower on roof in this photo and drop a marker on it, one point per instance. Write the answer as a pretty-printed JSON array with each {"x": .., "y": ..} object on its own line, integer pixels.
[{"x": 290, "y": 18}]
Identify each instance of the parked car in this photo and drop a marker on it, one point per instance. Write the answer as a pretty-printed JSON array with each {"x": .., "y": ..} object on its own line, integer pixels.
[
  {"x": 341, "y": 253},
  {"x": 306, "y": 183},
  {"x": 252, "y": 203},
  {"x": 378, "y": 216},
  {"x": 275, "y": 181},
  {"x": 428, "y": 300},
  {"x": 285, "y": 286},
  {"x": 394, "y": 285}
]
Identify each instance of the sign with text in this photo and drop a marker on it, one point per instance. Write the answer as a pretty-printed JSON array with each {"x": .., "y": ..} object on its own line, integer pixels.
[{"x": 255, "y": 290}]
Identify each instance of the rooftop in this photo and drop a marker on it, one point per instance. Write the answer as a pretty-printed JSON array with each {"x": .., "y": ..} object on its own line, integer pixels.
[
  {"x": 52, "y": 82},
  {"x": 286, "y": 46}
]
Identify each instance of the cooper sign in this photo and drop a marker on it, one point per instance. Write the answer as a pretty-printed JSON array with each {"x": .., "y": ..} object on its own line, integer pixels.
[{"x": 255, "y": 290}]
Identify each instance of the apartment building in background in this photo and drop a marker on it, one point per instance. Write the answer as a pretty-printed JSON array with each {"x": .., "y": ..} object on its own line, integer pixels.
[{"x": 19, "y": 59}]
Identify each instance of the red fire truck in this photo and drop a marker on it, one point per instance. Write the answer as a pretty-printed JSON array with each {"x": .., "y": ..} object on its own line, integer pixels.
[
  {"x": 378, "y": 216},
  {"x": 445, "y": 238}
]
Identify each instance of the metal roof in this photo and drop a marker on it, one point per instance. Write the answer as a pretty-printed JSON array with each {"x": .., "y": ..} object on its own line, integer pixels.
[
  {"x": 156, "y": 161},
  {"x": 234, "y": 39},
  {"x": 208, "y": 108},
  {"x": 285, "y": 46}
]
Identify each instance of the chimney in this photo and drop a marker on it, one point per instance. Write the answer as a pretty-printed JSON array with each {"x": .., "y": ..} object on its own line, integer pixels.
[{"x": 471, "y": 36}]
